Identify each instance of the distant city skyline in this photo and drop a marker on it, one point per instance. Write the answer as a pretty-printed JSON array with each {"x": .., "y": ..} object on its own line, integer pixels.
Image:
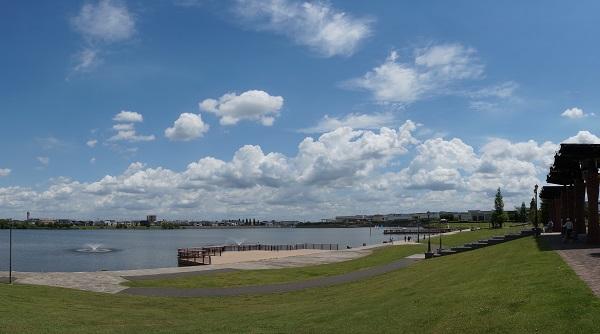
[
  {"x": 287, "y": 109},
  {"x": 375, "y": 216}
]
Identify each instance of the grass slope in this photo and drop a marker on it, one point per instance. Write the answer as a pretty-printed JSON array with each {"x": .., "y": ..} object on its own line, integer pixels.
[
  {"x": 508, "y": 288},
  {"x": 254, "y": 277},
  {"x": 267, "y": 276}
]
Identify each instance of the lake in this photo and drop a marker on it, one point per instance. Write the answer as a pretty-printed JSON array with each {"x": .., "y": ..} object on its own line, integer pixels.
[{"x": 61, "y": 250}]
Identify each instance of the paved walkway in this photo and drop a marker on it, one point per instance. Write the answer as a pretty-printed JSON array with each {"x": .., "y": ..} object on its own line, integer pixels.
[
  {"x": 583, "y": 258},
  {"x": 272, "y": 288}
]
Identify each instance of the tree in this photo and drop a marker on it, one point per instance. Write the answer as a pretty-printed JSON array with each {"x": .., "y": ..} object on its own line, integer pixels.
[
  {"x": 522, "y": 213},
  {"x": 532, "y": 209},
  {"x": 498, "y": 216}
]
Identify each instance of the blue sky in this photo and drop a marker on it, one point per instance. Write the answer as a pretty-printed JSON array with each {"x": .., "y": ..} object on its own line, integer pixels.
[{"x": 478, "y": 95}]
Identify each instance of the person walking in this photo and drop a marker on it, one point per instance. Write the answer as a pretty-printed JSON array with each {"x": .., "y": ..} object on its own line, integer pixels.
[
  {"x": 550, "y": 226},
  {"x": 568, "y": 229}
]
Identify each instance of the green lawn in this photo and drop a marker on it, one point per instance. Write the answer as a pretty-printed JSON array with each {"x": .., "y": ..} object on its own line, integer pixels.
[
  {"x": 508, "y": 288},
  {"x": 254, "y": 277},
  {"x": 266, "y": 276}
]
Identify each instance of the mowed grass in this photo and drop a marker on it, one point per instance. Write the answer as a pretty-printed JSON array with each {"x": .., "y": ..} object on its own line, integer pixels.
[
  {"x": 508, "y": 288},
  {"x": 379, "y": 256},
  {"x": 268, "y": 276}
]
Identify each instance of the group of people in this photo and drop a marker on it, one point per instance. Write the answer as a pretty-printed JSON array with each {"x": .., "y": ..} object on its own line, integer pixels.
[{"x": 566, "y": 229}]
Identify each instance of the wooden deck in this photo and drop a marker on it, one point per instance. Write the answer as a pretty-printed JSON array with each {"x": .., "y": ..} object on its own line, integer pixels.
[
  {"x": 197, "y": 256},
  {"x": 414, "y": 230},
  {"x": 193, "y": 257}
]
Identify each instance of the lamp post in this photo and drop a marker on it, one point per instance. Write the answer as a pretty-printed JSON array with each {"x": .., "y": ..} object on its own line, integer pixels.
[
  {"x": 429, "y": 243},
  {"x": 535, "y": 223},
  {"x": 440, "y": 241},
  {"x": 10, "y": 226},
  {"x": 428, "y": 254}
]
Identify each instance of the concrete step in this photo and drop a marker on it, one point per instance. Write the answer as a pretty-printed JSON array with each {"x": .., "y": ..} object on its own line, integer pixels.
[
  {"x": 476, "y": 244},
  {"x": 480, "y": 243},
  {"x": 495, "y": 241},
  {"x": 461, "y": 249},
  {"x": 446, "y": 252}
]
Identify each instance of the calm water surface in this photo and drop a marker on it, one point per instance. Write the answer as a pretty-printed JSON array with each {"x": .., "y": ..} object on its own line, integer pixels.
[{"x": 56, "y": 250}]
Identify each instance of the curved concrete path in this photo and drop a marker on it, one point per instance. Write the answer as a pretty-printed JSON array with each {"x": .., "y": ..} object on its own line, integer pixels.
[{"x": 271, "y": 288}]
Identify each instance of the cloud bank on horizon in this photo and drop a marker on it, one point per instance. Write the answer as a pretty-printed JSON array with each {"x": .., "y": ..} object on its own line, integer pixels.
[
  {"x": 343, "y": 170},
  {"x": 281, "y": 109}
]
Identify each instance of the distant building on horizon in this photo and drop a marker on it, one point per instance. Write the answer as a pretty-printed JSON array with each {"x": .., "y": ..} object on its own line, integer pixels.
[{"x": 470, "y": 215}]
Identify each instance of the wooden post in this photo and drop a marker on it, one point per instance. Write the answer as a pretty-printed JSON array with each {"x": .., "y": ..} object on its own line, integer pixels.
[
  {"x": 591, "y": 181},
  {"x": 571, "y": 200},
  {"x": 564, "y": 204},
  {"x": 579, "y": 205},
  {"x": 557, "y": 222}
]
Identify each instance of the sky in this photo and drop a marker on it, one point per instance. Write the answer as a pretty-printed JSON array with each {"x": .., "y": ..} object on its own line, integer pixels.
[{"x": 285, "y": 109}]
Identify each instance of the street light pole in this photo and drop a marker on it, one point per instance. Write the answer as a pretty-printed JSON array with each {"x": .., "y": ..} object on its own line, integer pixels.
[
  {"x": 535, "y": 224},
  {"x": 429, "y": 243},
  {"x": 440, "y": 241},
  {"x": 10, "y": 226}
]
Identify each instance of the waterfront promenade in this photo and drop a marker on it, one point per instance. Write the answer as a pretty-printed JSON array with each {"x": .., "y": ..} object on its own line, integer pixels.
[{"x": 111, "y": 281}]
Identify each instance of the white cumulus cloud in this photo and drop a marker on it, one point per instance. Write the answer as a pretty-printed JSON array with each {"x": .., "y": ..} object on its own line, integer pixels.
[
  {"x": 575, "y": 113},
  {"x": 253, "y": 105},
  {"x": 100, "y": 24},
  {"x": 106, "y": 20},
  {"x": 125, "y": 127},
  {"x": 128, "y": 116},
  {"x": 4, "y": 172},
  {"x": 92, "y": 142},
  {"x": 343, "y": 171},
  {"x": 432, "y": 71},
  {"x": 322, "y": 172},
  {"x": 583, "y": 137},
  {"x": 354, "y": 121},
  {"x": 324, "y": 29},
  {"x": 187, "y": 127},
  {"x": 131, "y": 136}
]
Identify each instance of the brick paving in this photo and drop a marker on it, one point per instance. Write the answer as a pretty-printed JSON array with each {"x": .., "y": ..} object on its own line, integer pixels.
[{"x": 583, "y": 258}]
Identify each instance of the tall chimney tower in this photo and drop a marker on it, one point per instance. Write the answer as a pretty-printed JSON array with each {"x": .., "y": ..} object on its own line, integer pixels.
[{"x": 28, "y": 216}]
